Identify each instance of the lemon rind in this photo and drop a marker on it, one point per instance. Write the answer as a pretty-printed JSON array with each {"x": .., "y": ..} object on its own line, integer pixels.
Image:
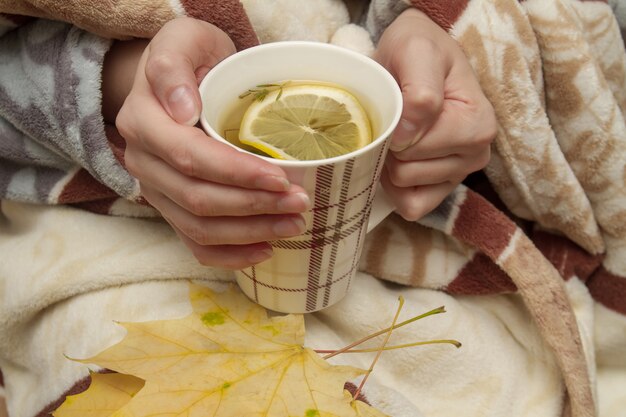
[{"x": 353, "y": 107}]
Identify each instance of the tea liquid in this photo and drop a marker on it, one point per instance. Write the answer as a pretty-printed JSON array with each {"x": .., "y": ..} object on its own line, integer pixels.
[{"x": 230, "y": 122}]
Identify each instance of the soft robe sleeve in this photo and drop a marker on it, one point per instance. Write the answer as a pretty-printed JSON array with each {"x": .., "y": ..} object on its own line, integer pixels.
[
  {"x": 381, "y": 13},
  {"x": 52, "y": 132}
]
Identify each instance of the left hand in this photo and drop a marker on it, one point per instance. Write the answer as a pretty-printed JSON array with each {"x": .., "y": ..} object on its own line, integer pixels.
[
  {"x": 447, "y": 123},
  {"x": 225, "y": 205}
]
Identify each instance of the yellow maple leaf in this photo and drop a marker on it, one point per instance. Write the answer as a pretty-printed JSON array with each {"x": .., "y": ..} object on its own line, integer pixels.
[
  {"x": 228, "y": 359},
  {"x": 106, "y": 394}
]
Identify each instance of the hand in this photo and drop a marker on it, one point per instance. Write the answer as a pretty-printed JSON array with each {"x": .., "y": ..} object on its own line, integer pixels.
[
  {"x": 447, "y": 124},
  {"x": 225, "y": 205}
]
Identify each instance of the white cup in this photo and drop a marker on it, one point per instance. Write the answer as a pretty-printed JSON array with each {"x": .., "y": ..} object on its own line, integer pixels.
[{"x": 313, "y": 271}]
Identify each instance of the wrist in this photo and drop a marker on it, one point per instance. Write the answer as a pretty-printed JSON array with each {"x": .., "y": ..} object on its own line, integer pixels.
[{"x": 118, "y": 74}]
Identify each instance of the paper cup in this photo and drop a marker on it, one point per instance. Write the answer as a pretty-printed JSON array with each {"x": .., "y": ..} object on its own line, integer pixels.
[{"x": 313, "y": 271}]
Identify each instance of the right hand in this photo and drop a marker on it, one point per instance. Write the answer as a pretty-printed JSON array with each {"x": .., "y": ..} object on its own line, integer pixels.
[
  {"x": 447, "y": 123},
  {"x": 224, "y": 205}
]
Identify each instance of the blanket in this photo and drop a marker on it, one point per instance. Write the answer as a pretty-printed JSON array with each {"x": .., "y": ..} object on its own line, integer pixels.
[{"x": 538, "y": 235}]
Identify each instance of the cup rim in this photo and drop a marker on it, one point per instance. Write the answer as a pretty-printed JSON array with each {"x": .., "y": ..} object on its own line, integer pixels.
[{"x": 395, "y": 90}]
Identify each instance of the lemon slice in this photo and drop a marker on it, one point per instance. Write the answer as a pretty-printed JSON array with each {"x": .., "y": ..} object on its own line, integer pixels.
[{"x": 306, "y": 122}]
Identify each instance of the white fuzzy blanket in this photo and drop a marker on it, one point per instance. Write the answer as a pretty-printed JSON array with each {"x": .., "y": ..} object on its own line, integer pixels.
[{"x": 79, "y": 272}]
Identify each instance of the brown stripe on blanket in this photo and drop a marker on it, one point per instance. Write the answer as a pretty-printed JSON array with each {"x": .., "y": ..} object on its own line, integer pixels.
[
  {"x": 97, "y": 206},
  {"x": 609, "y": 290},
  {"x": 568, "y": 258},
  {"x": 443, "y": 13},
  {"x": 481, "y": 276},
  {"x": 482, "y": 225},
  {"x": 83, "y": 187},
  {"x": 377, "y": 252},
  {"x": 229, "y": 15},
  {"x": 545, "y": 296}
]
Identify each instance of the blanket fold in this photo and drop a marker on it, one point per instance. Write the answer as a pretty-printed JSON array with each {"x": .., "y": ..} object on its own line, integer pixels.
[
  {"x": 544, "y": 222},
  {"x": 126, "y": 19}
]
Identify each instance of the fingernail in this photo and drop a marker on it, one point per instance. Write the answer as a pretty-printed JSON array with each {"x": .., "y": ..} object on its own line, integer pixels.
[
  {"x": 289, "y": 227},
  {"x": 260, "y": 256},
  {"x": 404, "y": 135},
  {"x": 294, "y": 203},
  {"x": 182, "y": 107},
  {"x": 272, "y": 183}
]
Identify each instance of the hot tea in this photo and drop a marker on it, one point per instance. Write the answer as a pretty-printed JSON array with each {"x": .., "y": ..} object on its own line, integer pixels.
[{"x": 297, "y": 120}]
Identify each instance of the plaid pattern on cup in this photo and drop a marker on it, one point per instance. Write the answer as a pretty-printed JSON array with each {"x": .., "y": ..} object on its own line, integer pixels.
[{"x": 328, "y": 252}]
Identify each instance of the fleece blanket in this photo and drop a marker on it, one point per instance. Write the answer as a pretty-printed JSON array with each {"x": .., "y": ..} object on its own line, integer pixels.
[{"x": 526, "y": 255}]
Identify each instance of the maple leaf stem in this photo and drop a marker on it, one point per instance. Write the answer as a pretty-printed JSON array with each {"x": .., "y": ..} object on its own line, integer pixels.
[
  {"x": 456, "y": 344},
  {"x": 432, "y": 312},
  {"x": 381, "y": 348}
]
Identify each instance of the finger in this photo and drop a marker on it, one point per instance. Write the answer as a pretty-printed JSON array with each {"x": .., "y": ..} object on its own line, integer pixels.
[
  {"x": 191, "y": 152},
  {"x": 452, "y": 168},
  {"x": 421, "y": 70},
  {"x": 226, "y": 230},
  {"x": 413, "y": 203},
  {"x": 204, "y": 198},
  {"x": 461, "y": 129},
  {"x": 227, "y": 256},
  {"x": 425, "y": 172},
  {"x": 181, "y": 48}
]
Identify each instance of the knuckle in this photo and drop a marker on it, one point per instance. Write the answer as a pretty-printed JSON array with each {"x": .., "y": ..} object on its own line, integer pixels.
[
  {"x": 488, "y": 135},
  {"x": 194, "y": 203},
  {"x": 398, "y": 177},
  {"x": 414, "y": 207},
  {"x": 198, "y": 234},
  {"x": 408, "y": 207},
  {"x": 489, "y": 126},
  {"x": 182, "y": 159},
  {"x": 475, "y": 162},
  {"x": 460, "y": 177},
  {"x": 159, "y": 63},
  {"x": 426, "y": 99},
  {"x": 228, "y": 174},
  {"x": 410, "y": 212},
  {"x": 403, "y": 156},
  {"x": 482, "y": 160},
  {"x": 492, "y": 131},
  {"x": 251, "y": 204},
  {"x": 124, "y": 122}
]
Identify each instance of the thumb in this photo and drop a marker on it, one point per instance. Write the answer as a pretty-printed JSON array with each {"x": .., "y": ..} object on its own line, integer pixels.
[
  {"x": 421, "y": 109},
  {"x": 421, "y": 77},
  {"x": 182, "y": 49}
]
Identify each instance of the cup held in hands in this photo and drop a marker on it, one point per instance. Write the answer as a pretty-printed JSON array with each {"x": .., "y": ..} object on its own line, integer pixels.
[{"x": 314, "y": 270}]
